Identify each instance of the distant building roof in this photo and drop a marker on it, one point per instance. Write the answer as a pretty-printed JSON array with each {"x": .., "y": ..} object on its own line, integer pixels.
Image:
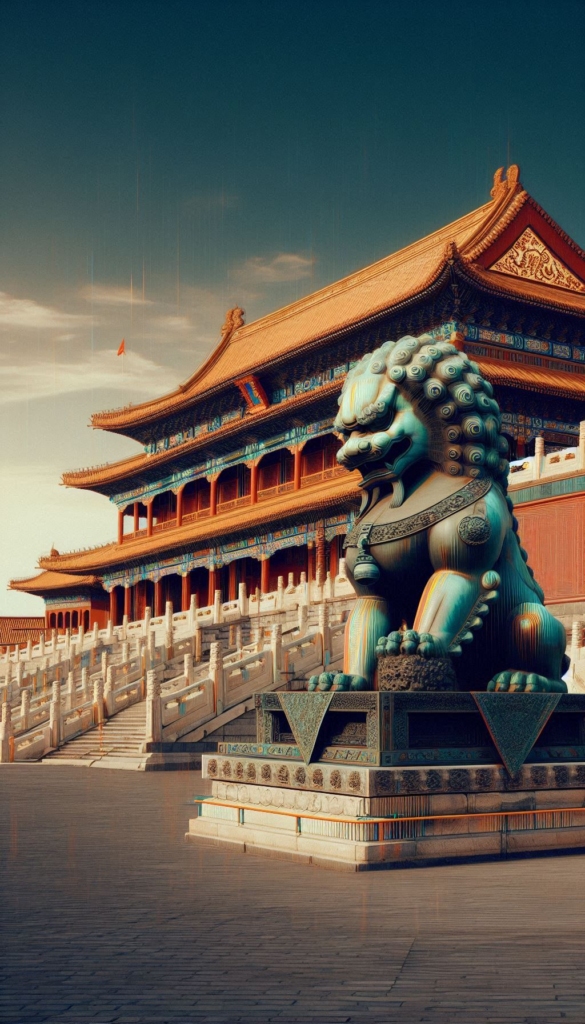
[
  {"x": 18, "y": 629},
  {"x": 48, "y": 582}
]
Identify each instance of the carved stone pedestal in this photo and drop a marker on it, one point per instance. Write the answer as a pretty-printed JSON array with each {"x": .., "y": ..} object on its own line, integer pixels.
[{"x": 373, "y": 793}]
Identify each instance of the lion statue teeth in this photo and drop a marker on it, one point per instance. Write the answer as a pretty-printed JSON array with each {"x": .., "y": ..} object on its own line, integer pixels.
[{"x": 435, "y": 556}]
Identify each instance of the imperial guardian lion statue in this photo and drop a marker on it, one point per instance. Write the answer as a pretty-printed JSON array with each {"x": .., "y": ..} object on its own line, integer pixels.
[{"x": 435, "y": 556}]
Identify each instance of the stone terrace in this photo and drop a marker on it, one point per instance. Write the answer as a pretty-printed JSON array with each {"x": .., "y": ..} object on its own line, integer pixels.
[{"x": 110, "y": 915}]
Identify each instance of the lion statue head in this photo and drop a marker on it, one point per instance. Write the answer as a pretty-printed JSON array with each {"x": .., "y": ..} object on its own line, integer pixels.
[{"x": 419, "y": 399}]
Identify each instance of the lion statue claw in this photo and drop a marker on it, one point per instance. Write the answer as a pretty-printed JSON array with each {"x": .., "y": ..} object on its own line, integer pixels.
[{"x": 435, "y": 556}]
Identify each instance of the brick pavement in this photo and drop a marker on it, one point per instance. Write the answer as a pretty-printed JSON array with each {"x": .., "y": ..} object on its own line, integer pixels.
[{"x": 110, "y": 915}]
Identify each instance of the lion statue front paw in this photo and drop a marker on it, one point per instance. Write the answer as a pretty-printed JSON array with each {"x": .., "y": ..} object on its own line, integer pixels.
[
  {"x": 337, "y": 681},
  {"x": 411, "y": 642},
  {"x": 525, "y": 682}
]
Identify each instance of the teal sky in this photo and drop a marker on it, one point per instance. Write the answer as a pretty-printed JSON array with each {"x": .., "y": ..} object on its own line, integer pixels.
[{"x": 160, "y": 162}]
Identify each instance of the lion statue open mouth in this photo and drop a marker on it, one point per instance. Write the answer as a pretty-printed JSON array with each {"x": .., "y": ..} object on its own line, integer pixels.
[{"x": 436, "y": 545}]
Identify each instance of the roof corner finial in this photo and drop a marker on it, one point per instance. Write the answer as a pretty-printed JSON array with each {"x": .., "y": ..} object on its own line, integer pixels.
[
  {"x": 234, "y": 318},
  {"x": 508, "y": 184},
  {"x": 451, "y": 251},
  {"x": 498, "y": 183},
  {"x": 512, "y": 176}
]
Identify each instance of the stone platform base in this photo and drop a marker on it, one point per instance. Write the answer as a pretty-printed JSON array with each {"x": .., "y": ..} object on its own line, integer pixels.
[{"x": 392, "y": 820}]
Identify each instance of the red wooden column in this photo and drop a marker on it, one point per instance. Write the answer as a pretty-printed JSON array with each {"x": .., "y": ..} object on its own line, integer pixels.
[
  {"x": 233, "y": 584},
  {"x": 158, "y": 598},
  {"x": 120, "y": 525},
  {"x": 149, "y": 519},
  {"x": 128, "y": 601},
  {"x": 185, "y": 592},
  {"x": 320, "y": 553},
  {"x": 213, "y": 497},
  {"x": 211, "y": 586},
  {"x": 264, "y": 575},
  {"x": 334, "y": 557},
  {"x": 297, "y": 468},
  {"x": 310, "y": 561},
  {"x": 254, "y": 483},
  {"x": 136, "y": 517},
  {"x": 180, "y": 509},
  {"x": 113, "y": 608}
]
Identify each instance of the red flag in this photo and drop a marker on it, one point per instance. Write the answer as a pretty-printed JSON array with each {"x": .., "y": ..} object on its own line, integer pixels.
[{"x": 122, "y": 348}]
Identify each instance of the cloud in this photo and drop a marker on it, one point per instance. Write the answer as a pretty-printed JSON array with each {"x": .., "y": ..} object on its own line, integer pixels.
[
  {"x": 175, "y": 323},
  {"x": 28, "y": 313},
  {"x": 287, "y": 266},
  {"x": 135, "y": 376},
  {"x": 112, "y": 295}
]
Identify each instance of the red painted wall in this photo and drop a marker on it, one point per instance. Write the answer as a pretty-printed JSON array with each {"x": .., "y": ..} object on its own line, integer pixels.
[{"x": 553, "y": 533}]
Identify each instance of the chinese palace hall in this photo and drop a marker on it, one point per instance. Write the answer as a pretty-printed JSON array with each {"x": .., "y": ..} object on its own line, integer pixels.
[{"x": 236, "y": 478}]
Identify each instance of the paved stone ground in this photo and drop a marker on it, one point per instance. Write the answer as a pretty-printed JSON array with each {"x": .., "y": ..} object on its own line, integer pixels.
[{"x": 109, "y": 915}]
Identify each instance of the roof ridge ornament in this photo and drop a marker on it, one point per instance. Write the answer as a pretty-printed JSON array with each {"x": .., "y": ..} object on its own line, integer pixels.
[
  {"x": 509, "y": 184},
  {"x": 234, "y": 319}
]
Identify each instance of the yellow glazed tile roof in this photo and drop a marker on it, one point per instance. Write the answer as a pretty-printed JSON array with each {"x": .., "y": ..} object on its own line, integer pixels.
[{"x": 45, "y": 581}]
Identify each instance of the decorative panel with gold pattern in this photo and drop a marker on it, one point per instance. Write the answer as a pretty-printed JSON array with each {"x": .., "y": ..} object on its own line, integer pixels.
[{"x": 531, "y": 259}]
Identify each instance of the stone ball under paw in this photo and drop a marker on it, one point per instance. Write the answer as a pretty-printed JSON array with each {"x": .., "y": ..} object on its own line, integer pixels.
[{"x": 413, "y": 672}]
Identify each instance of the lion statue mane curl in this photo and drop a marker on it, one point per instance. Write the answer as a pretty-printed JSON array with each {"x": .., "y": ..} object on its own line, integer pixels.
[{"x": 435, "y": 556}]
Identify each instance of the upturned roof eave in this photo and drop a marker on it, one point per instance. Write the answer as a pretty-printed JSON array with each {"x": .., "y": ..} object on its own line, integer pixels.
[
  {"x": 86, "y": 479},
  {"x": 315, "y": 501}
]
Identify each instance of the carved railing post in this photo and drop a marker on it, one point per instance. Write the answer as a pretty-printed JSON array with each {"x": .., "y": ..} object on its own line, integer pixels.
[
  {"x": 239, "y": 644},
  {"x": 242, "y": 599},
  {"x": 55, "y": 715},
  {"x": 576, "y": 644},
  {"x": 276, "y": 649},
  {"x": 24, "y": 710},
  {"x": 104, "y": 663},
  {"x": 41, "y": 645},
  {"x": 217, "y": 616},
  {"x": 70, "y": 691},
  {"x": 198, "y": 644},
  {"x": 110, "y": 630},
  {"x": 96, "y": 634},
  {"x": 84, "y": 685},
  {"x": 28, "y": 650},
  {"x": 303, "y": 613},
  {"x": 80, "y": 637},
  {"x": 146, "y": 621},
  {"x": 325, "y": 631},
  {"x": 280, "y": 593},
  {"x": 109, "y": 697},
  {"x": 151, "y": 649},
  {"x": 153, "y": 732},
  {"x": 216, "y": 673},
  {"x": 538, "y": 457},
  {"x": 125, "y": 651},
  {"x": 188, "y": 668},
  {"x": 98, "y": 700},
  {"x": 6, "y": 736}
]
